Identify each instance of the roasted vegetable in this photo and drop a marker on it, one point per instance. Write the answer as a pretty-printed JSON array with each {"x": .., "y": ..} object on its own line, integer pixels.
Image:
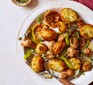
[
  {"x": 58, "y": 47},
  {"x": 51, "y": 18},
  {"x": 87, "y": 31},
  {"x": 34, "y": 37},
  {"x": 41, "y": 48},
  {"x": 68, "y": 15},
  {"x": 37, "y": 63},
  {"x": 86, "y": 45},
  {"x": 76, "y": 34},
  {"x": 76, "y": 63},
  {"x": 39, "y": 19},
  {"x": 48, "y": 34},
  {"x": 66, "y": 61},
  {"x": 62, "y": 26},
  {"x": 67, "y": 39},
  {"x": 56, "y": 65},
  {"x": 28, "y": 53}
]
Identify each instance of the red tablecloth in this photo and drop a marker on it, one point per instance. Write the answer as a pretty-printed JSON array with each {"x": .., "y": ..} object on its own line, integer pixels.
[{"x": 88, "y": 3}]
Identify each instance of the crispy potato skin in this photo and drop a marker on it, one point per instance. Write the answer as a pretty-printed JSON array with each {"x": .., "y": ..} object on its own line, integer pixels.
[
  {"x": 41, "y": 48},
  {"x": 58, "y": 47},
  {"x": 51, "y": 18},
  {"x": 87, "y": 31},
  {"x": 68, "y": 15},
  {"x": 62, "y": 26},
  {"x": 76, "y": 63},
  {"x": 37, "y": 63},
  {"x": 38, "y": 29},
  {"x": 56, "y": 65},
  {"x": 48, "y": 34},
  {"x": 87, "y": 66}
]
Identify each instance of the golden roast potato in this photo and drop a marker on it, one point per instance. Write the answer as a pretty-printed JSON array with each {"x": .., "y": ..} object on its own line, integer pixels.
[
  {"x": 56, "y": 65},
  {"x": 51, "y": 18},
  {"x": 68, "y": 15},
  {"x": 62, "y": 26},
  {"x": 37, "y": 63},
  {"x": 41, "y": 48},
  {"x": 48, "y": 34},
  {"x": 58, "y": 47},
  {"x": 87, "y": 31},
  {"x": 75, "y": 62}
]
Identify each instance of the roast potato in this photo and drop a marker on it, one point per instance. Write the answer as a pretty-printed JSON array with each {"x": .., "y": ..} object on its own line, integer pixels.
[
  {"x": 35, "y": 32},
  {"x": 87, "y": 31},
  {"x": 68, "y": 15},
  {"x": 58, "y": 47},
  {"x": 56, "y": 65},
  {"x": 62, "y": 26},
  {"x": 48, "y": 34},
  {"x": 37, "y": 63},
  {"x": 75, "y": 62},
  {"x": 41, "y": 48},
  {"x": 38, "y": 29},
  {"x": 51, "y": 18}
]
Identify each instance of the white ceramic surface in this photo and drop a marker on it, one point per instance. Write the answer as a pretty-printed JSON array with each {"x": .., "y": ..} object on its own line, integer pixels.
[{"x": 87, "y": 16}]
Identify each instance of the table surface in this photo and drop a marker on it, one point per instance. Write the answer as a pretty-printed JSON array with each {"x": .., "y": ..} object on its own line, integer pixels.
[{"x": 11, "y": 17}]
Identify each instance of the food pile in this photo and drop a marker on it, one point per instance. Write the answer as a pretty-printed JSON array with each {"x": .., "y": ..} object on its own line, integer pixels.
[{"x": 62, "y": 39}]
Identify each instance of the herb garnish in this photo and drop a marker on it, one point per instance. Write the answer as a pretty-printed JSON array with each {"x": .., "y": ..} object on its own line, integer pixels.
[{"x": 22, "y": 1}]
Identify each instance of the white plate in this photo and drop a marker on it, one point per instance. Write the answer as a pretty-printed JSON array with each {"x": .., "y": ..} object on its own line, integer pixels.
[{"x": 87, "y": 16}]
